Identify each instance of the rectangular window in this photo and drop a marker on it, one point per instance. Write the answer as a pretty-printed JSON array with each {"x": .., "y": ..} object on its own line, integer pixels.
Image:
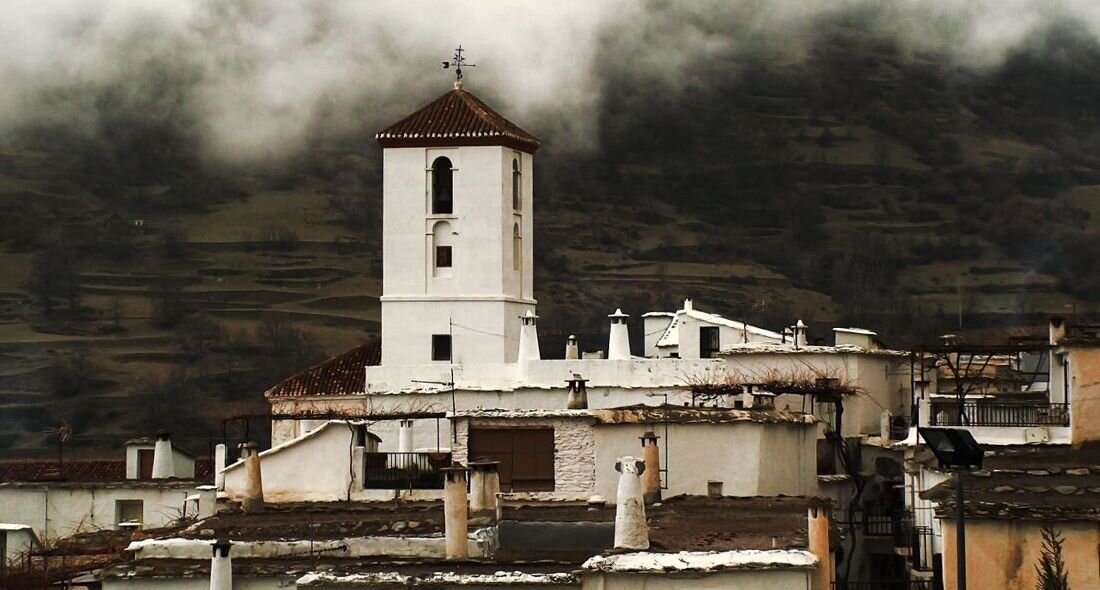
[
  {"x": 129, "y": 511},
  {"x": 145, "y": 463},
  {"x": 526, "y": 456},
  {"x": 708, "y": 342},
  {"x": 441, "y": 347},
  {"x": 443, "y": 257}
]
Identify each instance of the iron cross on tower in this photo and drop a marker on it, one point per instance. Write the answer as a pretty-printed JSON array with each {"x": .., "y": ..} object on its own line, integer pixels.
[{"x": 457, "y": 62}]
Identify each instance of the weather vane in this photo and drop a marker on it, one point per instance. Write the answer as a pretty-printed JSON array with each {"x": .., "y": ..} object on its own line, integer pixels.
[{"x": 457, "y": 62}]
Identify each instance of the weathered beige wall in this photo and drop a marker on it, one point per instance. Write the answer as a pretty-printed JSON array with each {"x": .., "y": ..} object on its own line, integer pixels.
[
  {"x": 1084, "y": 394},
  {"x": 1002, "y": 554}
]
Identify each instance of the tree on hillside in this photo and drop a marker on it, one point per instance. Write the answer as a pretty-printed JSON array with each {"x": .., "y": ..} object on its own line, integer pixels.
[
  {"x": 1051, "y": 568},
  {"x": 52, "y": 276},
  {"x": 197, "y": 333}
]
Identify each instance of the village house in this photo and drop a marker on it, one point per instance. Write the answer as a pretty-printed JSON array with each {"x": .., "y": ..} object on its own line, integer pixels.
[
  {"x": 723, "y": 454},
  {"x": 1038, "y": 438},
  {"x": 59, "y": 498}
]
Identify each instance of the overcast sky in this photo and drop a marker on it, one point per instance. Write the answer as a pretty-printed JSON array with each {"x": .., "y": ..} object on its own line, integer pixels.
[{"x": 256, "y": 72}]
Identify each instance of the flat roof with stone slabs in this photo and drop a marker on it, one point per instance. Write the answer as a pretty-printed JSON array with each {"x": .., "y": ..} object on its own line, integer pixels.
[{"x": 1029, "y": 482}]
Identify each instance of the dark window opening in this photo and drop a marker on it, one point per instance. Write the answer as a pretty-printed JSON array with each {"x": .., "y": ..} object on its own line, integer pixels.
[
  {"x": 516, "y": 200},
  {"x": 441, "y": 347},
  {"x": 129, "y": 511},
  {"x": 443, "y": 257},
  {"x": 442, "y": 185},
  {"x": 708, "y": 342},
  {"x": 526, "y": 456}
]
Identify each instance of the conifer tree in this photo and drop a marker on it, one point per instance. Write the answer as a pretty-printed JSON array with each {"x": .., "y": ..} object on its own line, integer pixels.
[{"x": 1051, "y": 568}]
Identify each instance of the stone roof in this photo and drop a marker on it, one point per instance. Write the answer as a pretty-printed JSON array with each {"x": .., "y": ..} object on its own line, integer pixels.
[
  {"x": 1031, "y": 483},
  {"x": 456, "y": 118},
  {"x": 343, "y": 374}
]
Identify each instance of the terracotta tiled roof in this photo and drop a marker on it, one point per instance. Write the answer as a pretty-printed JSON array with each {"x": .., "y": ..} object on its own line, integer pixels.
[
  {"x": 70, "y": 470},
  {"x": 342, "y": 374},
  {"x": 80, "y": 470},
  {"x": 454, "y": 119}
]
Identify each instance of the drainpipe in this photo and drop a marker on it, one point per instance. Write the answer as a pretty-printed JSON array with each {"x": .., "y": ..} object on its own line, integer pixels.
[
  {"x": 818, "y": 527},
  {"x": 651, "y": 476},
  {"x": 221, "y": 567},
  {"x": 631, "y": 530},
  {"x": 253, "y": 501},
  {"x": 163, "y": 465},
  {"x": 455, "y": 517},
  {"x": 484, "y": 487}
]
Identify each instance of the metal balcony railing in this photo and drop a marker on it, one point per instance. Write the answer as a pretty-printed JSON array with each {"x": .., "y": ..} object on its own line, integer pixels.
[
  {"x": 973, "y": 413},
  {"x": 884, "y": 585},
  {"x": 404, "y": 471}
]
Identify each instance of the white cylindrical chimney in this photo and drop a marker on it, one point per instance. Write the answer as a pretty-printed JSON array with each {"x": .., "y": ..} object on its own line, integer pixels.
[
  {"x": 578, "y": 393},
  {"x": 405, "y": 436},
  {"x": 164, "y": 466},
  {"x": 219, "y": 466},
  {"x": 1057, "y": 330},
  {"x": 208, "y": 501},
  {"x": 484, "y": 487},
  {"x": 688, "y": 306},
  {"x": 253, "y": 500},
  {"x": 455, "y": 512},
  {"x": 818, "y": 544},
  {"x": 572, "y": 348},
  {"x": 651, "y": 476},
  {"x": 528, "y": 338},
  {"x": 799, "y": 334},
  {"x": 221, "y": 567},
  {"x": 631, "y": 530},
  {"x": 618, "y": 346}
]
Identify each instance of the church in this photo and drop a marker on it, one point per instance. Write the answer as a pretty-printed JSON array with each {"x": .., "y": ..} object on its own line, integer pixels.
[{"x": 458, "y": 375}]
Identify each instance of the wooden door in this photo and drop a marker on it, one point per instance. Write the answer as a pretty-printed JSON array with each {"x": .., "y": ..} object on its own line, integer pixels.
[
  {"x": 145, "y": 463},
  {"x": 526, "y": 456}
]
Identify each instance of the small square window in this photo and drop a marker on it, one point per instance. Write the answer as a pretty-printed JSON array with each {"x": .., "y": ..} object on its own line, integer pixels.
[
  {"x": 441, "y": 347},
  {"x": 129, "y": 511},
  {"x": 443, "y": 257}
]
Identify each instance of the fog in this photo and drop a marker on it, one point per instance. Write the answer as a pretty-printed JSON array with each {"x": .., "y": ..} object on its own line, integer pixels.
[{"x": 257, "y": 79}]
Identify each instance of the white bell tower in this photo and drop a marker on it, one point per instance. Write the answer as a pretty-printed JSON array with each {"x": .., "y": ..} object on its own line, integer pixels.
[{"x": 457, "y": 226}]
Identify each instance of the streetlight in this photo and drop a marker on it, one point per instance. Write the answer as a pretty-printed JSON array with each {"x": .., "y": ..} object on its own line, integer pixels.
[{"x": 956, "y": 450}]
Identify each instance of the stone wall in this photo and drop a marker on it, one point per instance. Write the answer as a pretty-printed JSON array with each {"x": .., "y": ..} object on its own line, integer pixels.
[{"x": 574, "y": 452}]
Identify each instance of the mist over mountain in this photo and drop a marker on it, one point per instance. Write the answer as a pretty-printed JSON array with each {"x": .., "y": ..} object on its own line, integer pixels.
[{"x": 190, "y": 192}]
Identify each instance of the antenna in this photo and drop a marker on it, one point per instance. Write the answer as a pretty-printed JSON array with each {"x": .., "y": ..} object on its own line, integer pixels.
[{"x": 457, "y": 61}]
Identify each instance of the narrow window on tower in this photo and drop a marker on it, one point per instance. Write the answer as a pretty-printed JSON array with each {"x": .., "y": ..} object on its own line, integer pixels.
[
  {"x": 517, "y": 201},
  {"x": 441, "y": 347},
  {"x": 442, "y": 250},
  {"x": 442, "y": 184},
  {"x": 517, "y": 248},
  {"x": 443, "y": 257}
]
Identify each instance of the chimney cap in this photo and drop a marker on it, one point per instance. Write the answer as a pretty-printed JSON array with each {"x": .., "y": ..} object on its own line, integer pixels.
[
  {"x": 163, "y": 435},
  {"x": 688, "y": 305},
  {"x": 572, "y": 338},
  {"x": 618, "y": 313},
  {"x": 248, "y": 445},
  {"x": 799, "y": 324}
]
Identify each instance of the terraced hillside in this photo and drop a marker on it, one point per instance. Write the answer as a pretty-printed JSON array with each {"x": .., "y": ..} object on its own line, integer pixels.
[{"x": 862, "y": 183}]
